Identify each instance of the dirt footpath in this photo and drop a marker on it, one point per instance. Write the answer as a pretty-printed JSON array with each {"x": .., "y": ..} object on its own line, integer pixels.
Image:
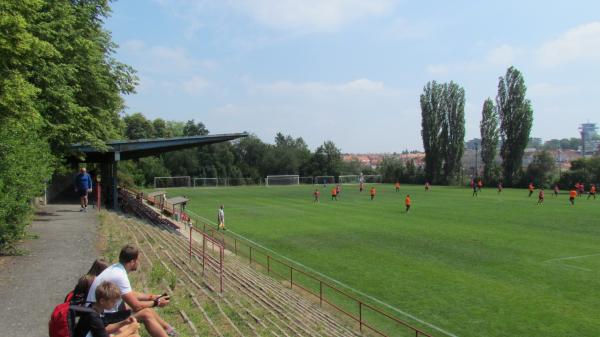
[{"x": 31, "y": 285}]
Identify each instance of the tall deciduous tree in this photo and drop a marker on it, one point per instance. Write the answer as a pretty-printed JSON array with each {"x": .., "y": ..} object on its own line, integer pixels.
[
  {"x": 59, "y": 84},
  {"x": 443, "y": 130},
  {"x": 516, "y": 119},
  {"x": 453, "y": 131},
  {"x": 489, "y": 138},
  {"x": 432, "y": 121}
]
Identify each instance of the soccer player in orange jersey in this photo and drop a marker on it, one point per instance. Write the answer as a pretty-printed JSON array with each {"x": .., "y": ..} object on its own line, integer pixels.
[
  {"x": 541, "y": 196},
  {"x": 373, "y": 192},
  {"x": 334, "y": 194},
  {"x": 397, "y": 186},
  {"x": 407, "y": 202},
  {"x": 531, "y": 188},
  {"x": 479, "y": 185},
  {"x": 592, "y": 191},
  {"x": 572, "y": 195}
]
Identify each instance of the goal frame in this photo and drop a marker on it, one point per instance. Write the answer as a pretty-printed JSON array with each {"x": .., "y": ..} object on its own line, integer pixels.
[
  {"x": 306, "y": 180},
  {"x": 293, "y": 176},
  {"x": 216, "y": 180},
  {"x": 355, "y": 181}
]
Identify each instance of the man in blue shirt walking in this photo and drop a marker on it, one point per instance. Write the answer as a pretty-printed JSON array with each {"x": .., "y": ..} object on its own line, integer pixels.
[{"x": 83, "y": 185}]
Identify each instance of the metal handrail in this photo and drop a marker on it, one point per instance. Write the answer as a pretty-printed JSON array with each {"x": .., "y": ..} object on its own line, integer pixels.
[{"x": 322, "y": 284}]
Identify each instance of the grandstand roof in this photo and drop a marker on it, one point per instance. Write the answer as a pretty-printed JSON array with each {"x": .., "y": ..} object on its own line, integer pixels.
[
  {"x": 177, "y": 200},
  {"x": 133, "y": 149},
  {"x": 155, "y": 193}
]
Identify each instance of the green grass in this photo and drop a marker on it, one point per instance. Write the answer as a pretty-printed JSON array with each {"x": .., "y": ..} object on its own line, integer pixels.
[{"x": 471, "y": 266}]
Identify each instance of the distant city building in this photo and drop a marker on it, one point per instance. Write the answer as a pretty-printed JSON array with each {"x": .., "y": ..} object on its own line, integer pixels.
[
  {"x": 590, "y": 141},
  {"x": 373, "y": 160},
  {"x": 473, "y": 144}
]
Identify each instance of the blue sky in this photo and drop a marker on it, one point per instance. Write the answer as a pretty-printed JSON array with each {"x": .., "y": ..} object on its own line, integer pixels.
[{"x": 351, "y": 71}]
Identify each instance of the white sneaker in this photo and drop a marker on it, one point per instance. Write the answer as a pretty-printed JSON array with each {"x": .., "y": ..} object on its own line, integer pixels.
[{"x": 82, "y": 209}]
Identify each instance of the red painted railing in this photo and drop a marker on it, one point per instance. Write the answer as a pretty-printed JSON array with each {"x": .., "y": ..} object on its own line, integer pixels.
[
  {"x": 237, "y": 245},
  {"x": 221, "y": 240},
  {"x": 206, "y": 257}
]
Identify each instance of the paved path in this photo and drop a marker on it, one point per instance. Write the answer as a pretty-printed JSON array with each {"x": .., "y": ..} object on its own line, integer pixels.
[{"x": 31, "y": 285}]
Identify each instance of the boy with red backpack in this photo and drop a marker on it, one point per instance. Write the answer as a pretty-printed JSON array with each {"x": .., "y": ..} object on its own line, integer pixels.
[{"x": 92, "y": 322}]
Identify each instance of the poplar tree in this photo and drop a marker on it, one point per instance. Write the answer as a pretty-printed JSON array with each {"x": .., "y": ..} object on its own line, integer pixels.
[
  {"x": 516, "y": 119},
  {"x": 489, "y": 138},
  {"x": 432, "y": 121},
  {"x": 443, "y": 130},
  {"x": 453, "y": 132}
]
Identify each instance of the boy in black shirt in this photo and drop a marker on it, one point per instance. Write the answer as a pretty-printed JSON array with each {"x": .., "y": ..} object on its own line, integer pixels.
[{"x": 91, "y": 321}]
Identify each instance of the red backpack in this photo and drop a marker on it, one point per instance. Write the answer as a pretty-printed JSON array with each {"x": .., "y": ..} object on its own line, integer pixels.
[{"x": 64, "y": 316}]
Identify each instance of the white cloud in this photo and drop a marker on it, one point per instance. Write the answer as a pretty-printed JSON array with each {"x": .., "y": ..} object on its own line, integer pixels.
[
  {"x": 581, "y": 43},
  {"x": 357, "y": 86},
  {"x": 438, "y": 69},
  {"x": 196, "y": 85},
  {"x": 133, "y": 46},
  {"x": 404, "y": 29},
  {"x": 550, "y": 90},
  {"x": 503, "y": 55},
  {"x": 323, "y": 110},
  {"x": 311, "y": 15}
]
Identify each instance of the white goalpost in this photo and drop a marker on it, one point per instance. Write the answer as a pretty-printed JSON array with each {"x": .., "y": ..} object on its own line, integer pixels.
[
  {"x": 349, "y": 179},
  {"x": 372, "y": 179},
  {"x": 166, "y": 182},
  {"x": 323, "y": 180},
  {"x": 290, "y": 179},
  {"x": 306, "y": 180},
  {"x": 206, "y": 182}
]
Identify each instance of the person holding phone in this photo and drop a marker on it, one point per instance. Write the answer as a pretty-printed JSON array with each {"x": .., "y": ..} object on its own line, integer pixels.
[
  {"x": 140, "y": 304},
  {"x": 91, "y": 322}
]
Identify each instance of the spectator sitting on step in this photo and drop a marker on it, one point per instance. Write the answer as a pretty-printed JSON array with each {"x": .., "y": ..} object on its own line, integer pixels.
[
  {"x": 80, "y": 293},
  {"x": 98, "y": 267},
  {"x": 140, "y": 303},
  {"x": 91, "y": 321}
]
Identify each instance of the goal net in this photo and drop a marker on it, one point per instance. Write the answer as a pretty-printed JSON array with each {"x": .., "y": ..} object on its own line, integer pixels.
[
  {"x": 372, "y": 179},
  {"x": 282, "y": 180},
  {"x": 166, "y": 182},
  {"x": 206, "y": 182},
  {"x": 324, "y": 180},
  {"x": 306, "y": 180},
  {"x": 349, "y": 179}
]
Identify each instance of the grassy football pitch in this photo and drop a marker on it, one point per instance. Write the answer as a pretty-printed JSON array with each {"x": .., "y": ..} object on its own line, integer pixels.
[{"x": 492, "y": 265}]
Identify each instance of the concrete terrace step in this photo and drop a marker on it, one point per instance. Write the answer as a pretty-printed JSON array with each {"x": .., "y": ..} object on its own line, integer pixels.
[
  {"x": 252, "y": 304},
  {"x": 266, "y": 305},
  {"x": 283, "y": 297}
]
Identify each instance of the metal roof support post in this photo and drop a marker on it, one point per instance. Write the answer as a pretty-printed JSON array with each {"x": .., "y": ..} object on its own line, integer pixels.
[{"x": 115, "y": 170}]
